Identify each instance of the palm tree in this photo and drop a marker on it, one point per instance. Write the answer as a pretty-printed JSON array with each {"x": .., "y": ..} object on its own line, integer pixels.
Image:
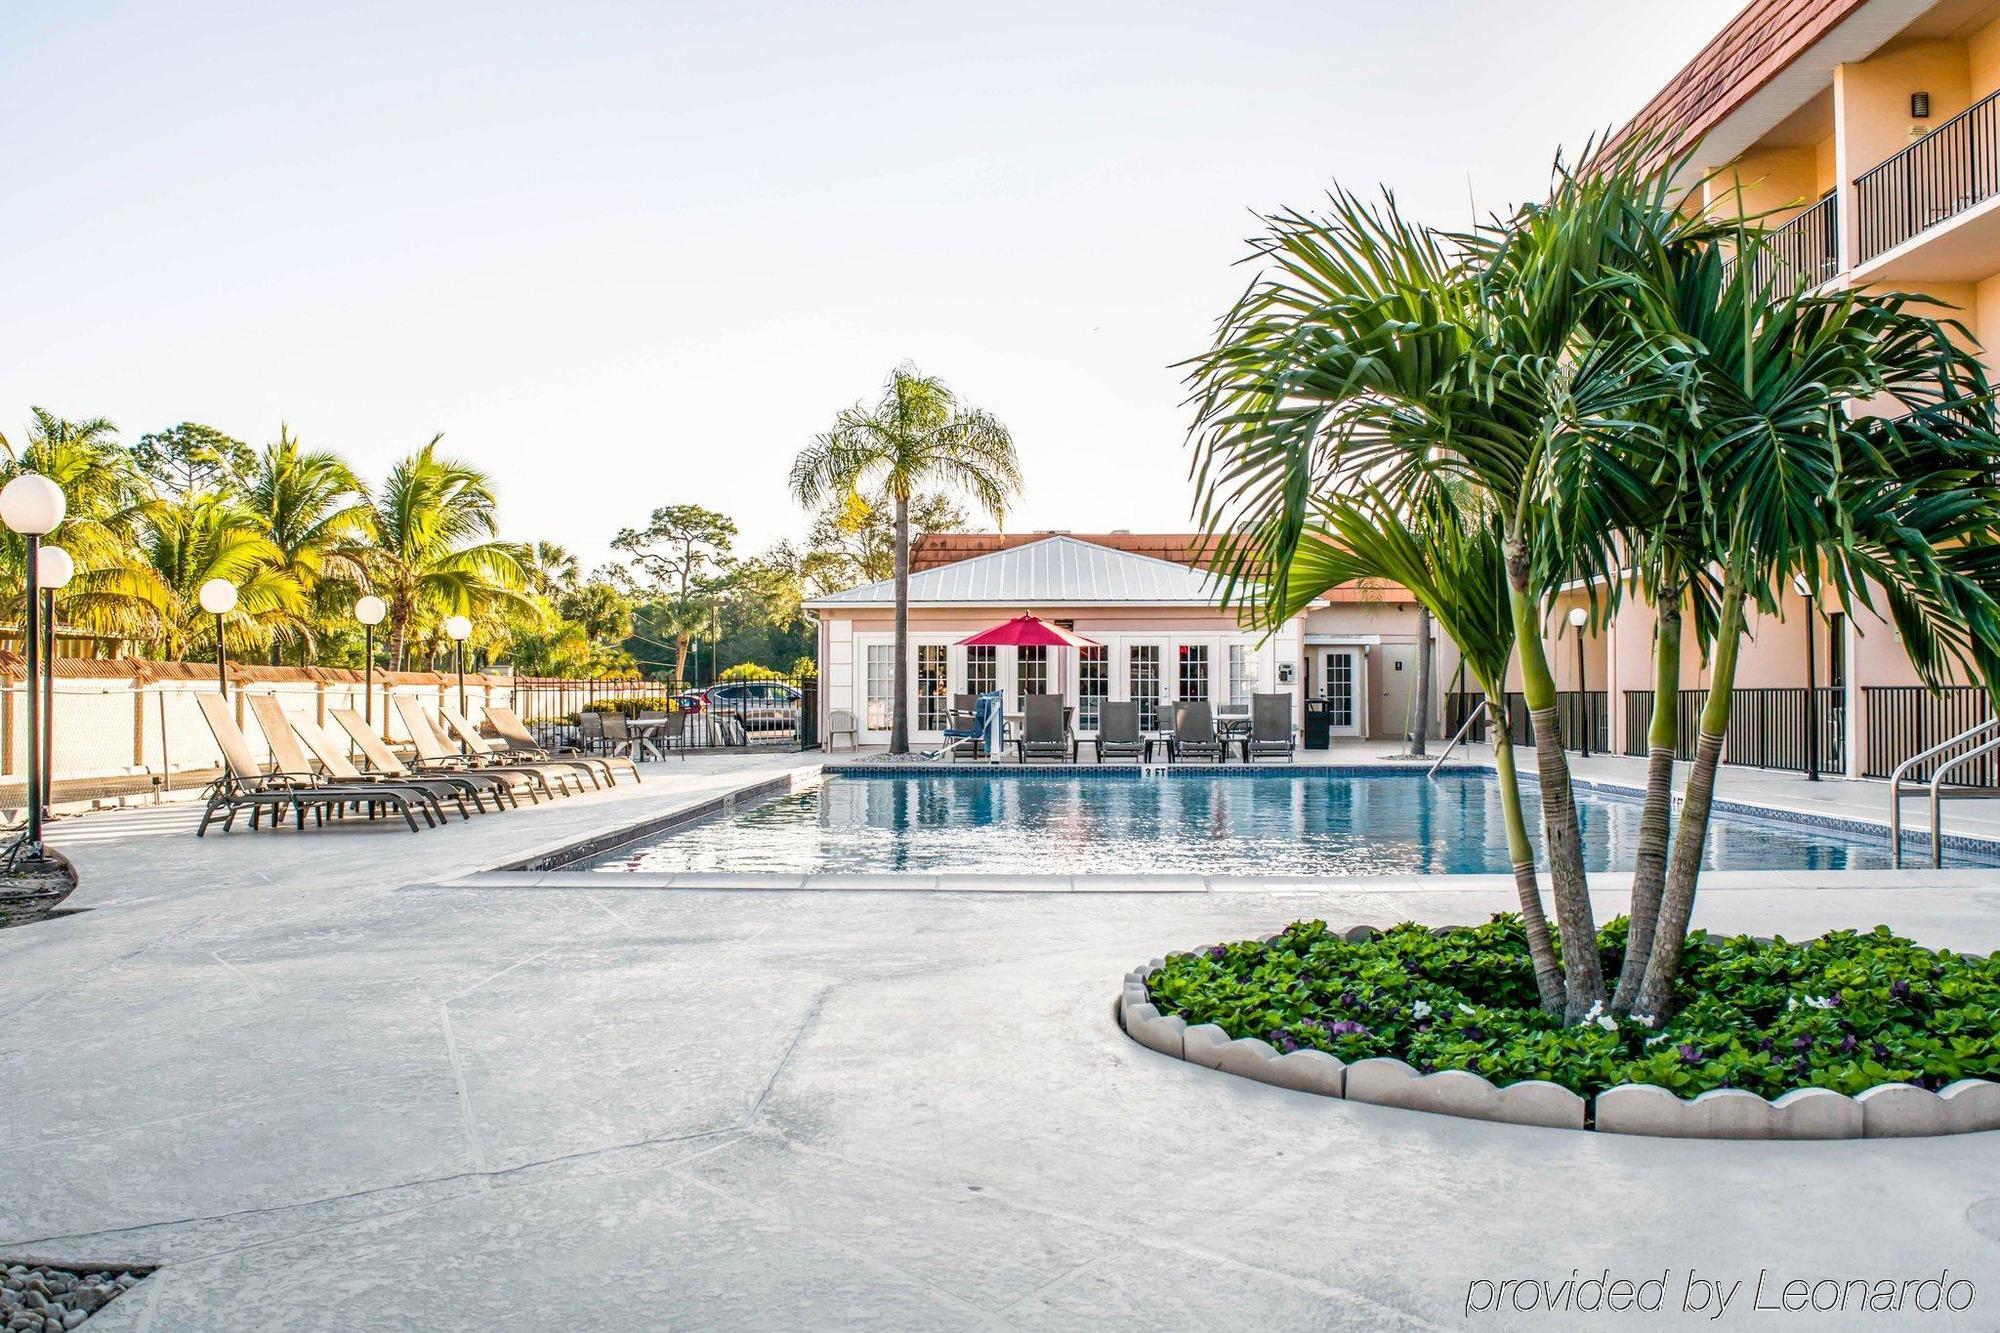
[
  {"x": 106, "y": 500},
  {"x": 1375, "y": 350},
  {"x": 435, "y": 551},
  {"x": 315, "y": 513},
  {"x": 918, "y": 435},
  {"x": 185, "y": 543}
]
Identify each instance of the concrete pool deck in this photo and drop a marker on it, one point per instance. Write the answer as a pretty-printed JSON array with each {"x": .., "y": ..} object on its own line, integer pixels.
[{"x": 327, "y": 1100}]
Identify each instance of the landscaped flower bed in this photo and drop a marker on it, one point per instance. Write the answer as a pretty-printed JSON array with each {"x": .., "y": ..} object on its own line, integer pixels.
[{"x": 1847, "y": 1011}]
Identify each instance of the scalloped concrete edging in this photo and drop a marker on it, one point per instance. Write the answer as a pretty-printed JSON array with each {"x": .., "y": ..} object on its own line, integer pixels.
[{"x": 1889, "y": 1110}]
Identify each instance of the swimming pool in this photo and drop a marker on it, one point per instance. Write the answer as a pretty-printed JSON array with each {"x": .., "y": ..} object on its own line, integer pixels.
[{"x": 1317, "y": 822}]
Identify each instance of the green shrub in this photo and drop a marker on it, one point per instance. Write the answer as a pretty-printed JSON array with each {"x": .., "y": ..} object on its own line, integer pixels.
[
  {"x": 1846, "y": 1011},
  {"x": 631, "y": 705}
]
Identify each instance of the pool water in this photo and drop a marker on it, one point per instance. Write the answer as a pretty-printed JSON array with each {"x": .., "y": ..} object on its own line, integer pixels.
[{"x": 1324, "y": 823}]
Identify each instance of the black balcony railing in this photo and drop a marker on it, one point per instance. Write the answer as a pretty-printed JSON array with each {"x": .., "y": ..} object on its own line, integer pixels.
[
  {"x": 1941, "y": 175},
  {"x": 1805, "y": 252},
  {"x": 1768, "y": 728},
  {"x": 1904, "y": 720}
]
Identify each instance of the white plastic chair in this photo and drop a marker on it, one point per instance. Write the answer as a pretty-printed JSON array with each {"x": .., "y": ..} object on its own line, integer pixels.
[{"x": 840, "y": 722}]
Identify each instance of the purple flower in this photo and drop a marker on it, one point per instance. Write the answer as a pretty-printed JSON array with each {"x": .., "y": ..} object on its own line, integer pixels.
[
  {"x": 1349, "y": 1000},
  {"x": 1690, "y": 1055},
  {"x": 1473, "y": 1032},
  {"x": 1346, "y": 1027},
  {"x": 1767, "y": 1045},
  {"x": 1802, "y": 1042},
  {"x": 1801, "y": 1066},
  {"x": 1849, "y": 1044},
  {"x": 1900, "y": 989},
  {"x": 1217, "y": 952},
  {"x": 1880, "y": 1052}
]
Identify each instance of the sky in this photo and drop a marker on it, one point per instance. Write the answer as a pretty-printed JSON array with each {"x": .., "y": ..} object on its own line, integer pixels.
[{"x": 626, "y": 253}]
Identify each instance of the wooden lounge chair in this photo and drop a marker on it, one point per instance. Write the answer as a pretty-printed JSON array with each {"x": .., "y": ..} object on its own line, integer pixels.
[
  {"x": 435, "y": 752},
  {"x": 1270, "y": 727},
  {"x": 504, "y": 787},
  {"x": 516, "y": 739},
  {"x": 457, "y": 724},
  {"x": 335, "y": 763},
  {"x": 1044, "y": 728},
  {"x": 245, "y": 785},
  {"x": 1194, "y": 734},
  {"x": 280, "y": 736},
  {"x": 1118, "y": 735}
]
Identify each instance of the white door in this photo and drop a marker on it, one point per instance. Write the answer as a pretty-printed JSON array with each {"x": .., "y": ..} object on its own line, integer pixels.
[
  {"x": 1342, "y": 690},
  {"x": 1145, "y": 677}
]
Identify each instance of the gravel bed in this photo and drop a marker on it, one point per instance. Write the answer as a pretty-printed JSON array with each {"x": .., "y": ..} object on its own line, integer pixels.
[{"x": 35, "y": 1298}]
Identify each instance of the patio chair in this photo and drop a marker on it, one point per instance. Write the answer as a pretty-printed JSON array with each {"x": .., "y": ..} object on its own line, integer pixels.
[
  {"x": 840, "y": 722},
  {"x": 335, "y": 763},
  {"x": 963, "y": 736},
  {"x": 456, "y": 723},
  {"x": 1194, "y": 734},
  {"x": 618, "y": 737},
  {"x": 516, "y": 739},
  {"x": 1044, "y": 728},
  {"x": 245, "y": 785},
  {"x": 281, "y": 738},
  {"x": 1270, "y": 727},
  {"x": 385, "y": 762},
  {"x": 670, "y": 734},
  {"x": 590, "y": 732},
  {"x": 1118, "y": 735},
  {"x": 434, "y": 752}
]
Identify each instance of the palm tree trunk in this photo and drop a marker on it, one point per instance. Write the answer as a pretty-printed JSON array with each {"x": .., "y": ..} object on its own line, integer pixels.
[
  {"x": 1583, "y": 970},
  {"x": 1684, "y": 869},
  {"x": 899, "y": 727},
  {"x": 1541, "y": 949},
  {"x": 1420, "y": 729},
  {"x": 1649, "y": 873}
]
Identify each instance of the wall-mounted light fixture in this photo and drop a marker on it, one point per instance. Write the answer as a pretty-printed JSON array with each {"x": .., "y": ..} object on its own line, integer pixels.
[{"x": 1920, "y": 106}]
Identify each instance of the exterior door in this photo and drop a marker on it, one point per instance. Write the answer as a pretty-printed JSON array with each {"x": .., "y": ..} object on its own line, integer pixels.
[
  {"x": 1342, "y": 690},
  {"x": 1145, "y": 678},
  {"x": 1397, "y": 692}
]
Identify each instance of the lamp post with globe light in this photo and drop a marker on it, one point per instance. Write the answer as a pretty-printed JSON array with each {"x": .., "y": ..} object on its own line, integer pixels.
[
  {"x": 458, "y": 629},
  {"x": 218, "y": 598},
  {"x": 1578, "y": 617},
  {"x": 57, "y": 570},
  {"x": 33, "y": 506},
  {"x": 369, "y": 611}
]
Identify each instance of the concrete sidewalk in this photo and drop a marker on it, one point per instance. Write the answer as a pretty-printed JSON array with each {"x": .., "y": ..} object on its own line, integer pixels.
[{"x": 323, "y": 1101}]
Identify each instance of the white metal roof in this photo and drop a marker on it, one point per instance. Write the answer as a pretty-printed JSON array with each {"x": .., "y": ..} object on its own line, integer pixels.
[{"x": 1050, "y": 572}]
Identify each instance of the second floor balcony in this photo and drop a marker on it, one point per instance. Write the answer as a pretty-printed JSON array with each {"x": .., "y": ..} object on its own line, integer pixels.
[{"x": 1948, "y": 173}]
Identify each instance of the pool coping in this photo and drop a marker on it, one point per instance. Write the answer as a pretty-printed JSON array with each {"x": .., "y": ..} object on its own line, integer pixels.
[{"x": 544, "y": 868}]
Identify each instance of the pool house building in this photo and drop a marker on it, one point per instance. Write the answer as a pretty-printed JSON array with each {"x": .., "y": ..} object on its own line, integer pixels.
[{"x": 1151, "y": 613}]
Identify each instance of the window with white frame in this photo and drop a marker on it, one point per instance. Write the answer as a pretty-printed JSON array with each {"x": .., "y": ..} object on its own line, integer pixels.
[
  {"x": 1031, "y": 670},
  {"x": 982, "y": 669},
  {"x": 881, "y": 685},
  {"x": 1093, "y": 683},
  {"x": 1193, "y": 673},
  {"x": 1242, "y": 677},
  {"x": 933, "y": 699},
  {"x": 1340, "y": 687},
  {"x": 1142, "y": 667}
]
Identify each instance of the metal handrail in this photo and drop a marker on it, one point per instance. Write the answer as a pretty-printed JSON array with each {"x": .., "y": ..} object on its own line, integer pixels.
[
  {"x": 1968, "y": 736},
  {"x": 1483, "y": 706}
]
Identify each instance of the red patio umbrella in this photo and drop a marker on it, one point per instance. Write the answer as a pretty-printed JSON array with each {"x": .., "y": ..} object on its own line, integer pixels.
[{"x": 1027, "y": 632}]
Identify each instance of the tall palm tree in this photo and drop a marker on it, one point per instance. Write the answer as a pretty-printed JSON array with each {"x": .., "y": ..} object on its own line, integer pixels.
[
  {"x": 1373, "y": 349},
  {"x": 918, "y": 435},
  {"x": 315, "y": 513},
  {"x": 106, "y": 501},
  {"x": 436, "y": 552},
  {"x": 188, "y": 541}
]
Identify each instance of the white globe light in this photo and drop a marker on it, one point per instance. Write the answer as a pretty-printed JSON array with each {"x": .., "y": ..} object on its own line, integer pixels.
[
  {"x": 54, "y": 569},
  {"x": 458, "y": 627},
  {"x": 31, "y": 504},
  {"x": 370, "y": 610},
  {"x": 1577, "y": 615},
  {"x": 218, "y": 597}
]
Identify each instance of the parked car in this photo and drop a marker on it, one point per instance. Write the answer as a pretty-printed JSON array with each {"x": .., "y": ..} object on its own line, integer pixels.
[{"x": 761, "y": 705}]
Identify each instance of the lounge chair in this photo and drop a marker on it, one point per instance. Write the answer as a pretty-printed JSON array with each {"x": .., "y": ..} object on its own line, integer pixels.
[
  {"x": 597, "y": 770},
  {"x": 1118, "y": 735},
  {"x": 1270, "y": 727},
  {"x": 435, "y": 752},
  {"x": 516, "y": 739},
  {"x": 504, "y": 786},
  {"x": 1194, "y": 734},
  {"x": 1044, "y": 728},
  {"x": 335, "y": 762},
  {"x": 281, "y": 738},
  {"x": 245, "y": 785}
]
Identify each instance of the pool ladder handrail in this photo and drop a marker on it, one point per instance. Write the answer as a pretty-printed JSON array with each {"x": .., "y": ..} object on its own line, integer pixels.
[
  {"x": 1484, "y": 705},
  {"x": 1984, "y": 739}
]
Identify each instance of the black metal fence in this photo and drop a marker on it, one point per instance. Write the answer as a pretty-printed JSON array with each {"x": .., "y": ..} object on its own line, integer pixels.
[
  {"x": 1904, "y": 720},
  {"x": 1577, "y": 712},
  {"x": 1805, "y": 252},
  {"x": 1768, "y": 727},
  {"x": 772, "y": 712},
  {"x": 1941, "y": 175}
]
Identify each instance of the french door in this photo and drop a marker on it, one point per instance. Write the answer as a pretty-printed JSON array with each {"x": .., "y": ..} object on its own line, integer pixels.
[{"x": 1342, "y": 690}]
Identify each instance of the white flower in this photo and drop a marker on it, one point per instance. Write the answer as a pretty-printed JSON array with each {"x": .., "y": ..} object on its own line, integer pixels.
[
  {"x": 1465, "y": 1008},
  {"x": 1642, "y": 1020},
  {"x": 1421, "y": 1009},
  {"x": 1595, "y": 1009},
  {"x": 1820, "y": 1001},
  {"x": 1607, "y": 1022},
  {"x": 1656, "y": 1039}
]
